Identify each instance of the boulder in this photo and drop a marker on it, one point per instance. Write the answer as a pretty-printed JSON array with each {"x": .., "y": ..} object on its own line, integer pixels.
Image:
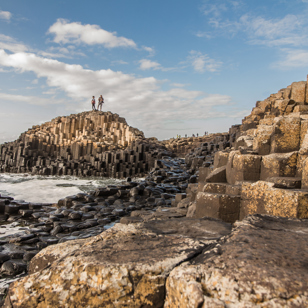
[{"x": 252, "y": 267}]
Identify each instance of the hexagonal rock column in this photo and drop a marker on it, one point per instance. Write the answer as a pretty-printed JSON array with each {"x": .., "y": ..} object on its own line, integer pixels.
[
  {"x": 243, "y": 167},
  {"x": 286, "y": 136},
  {"x": 278, "y": 165},
  {"x": 125, "y": 266}
]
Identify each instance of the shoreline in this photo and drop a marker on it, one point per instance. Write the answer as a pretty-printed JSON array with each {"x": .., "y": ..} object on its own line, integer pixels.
[{"x": 83, "y": 215}]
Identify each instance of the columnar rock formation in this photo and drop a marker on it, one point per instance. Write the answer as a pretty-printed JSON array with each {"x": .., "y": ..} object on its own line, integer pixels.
[
  {"x": 159, "y": 258},
  {"x": 86, "y": 144},
  {"x": 185, "y": 145},
  {"x": 266, "y": 169}
]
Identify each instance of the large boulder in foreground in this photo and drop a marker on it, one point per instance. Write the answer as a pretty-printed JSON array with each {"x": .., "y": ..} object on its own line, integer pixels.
[
  {"x": 262, "y": 263},
  {"x": 126, "y": 266}
]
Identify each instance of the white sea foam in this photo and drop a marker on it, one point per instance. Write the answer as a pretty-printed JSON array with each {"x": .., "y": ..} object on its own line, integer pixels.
[{"x": 49, "y": 189}]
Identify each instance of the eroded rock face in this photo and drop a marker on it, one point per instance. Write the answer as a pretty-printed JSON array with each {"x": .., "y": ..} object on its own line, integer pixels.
[
  {"x": 263, "y": 263},
  {"x": 126, "y": 266}
]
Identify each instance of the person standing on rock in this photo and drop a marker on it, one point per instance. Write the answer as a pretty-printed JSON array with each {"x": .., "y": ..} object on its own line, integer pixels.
[
  {"x": 93, "y": 103},
  {"x": 100, "y": 102}
]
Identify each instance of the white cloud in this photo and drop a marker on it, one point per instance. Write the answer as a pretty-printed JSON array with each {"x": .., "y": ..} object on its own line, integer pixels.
[
  {"x": 140, "y": 100},
  {"x": 5, "y": 15},
  {"x": 150, "y": 50},
  {"x": 292, "y": 59},
  {"x": 76, "y": 33},
  {"x": 9, "y": 43},
  {"x": 35, "y": 81},
  {"x": 202, "y": 62},
  {"x": 179, "y": 85},
  {"x": 121, "y": 62},
  {"x": 146, "y": 64},
  {"x": 32, "y": 100},
  {"x": 289, "y": 30}
]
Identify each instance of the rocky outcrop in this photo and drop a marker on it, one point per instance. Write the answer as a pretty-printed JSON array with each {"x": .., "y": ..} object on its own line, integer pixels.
[
  {"x": 252, "y": 267},
  {"x": 184, "y": 145},
  {"x": 265, "y": 166},
  {"x": 126, "y": 266},
  {"x": 85, "y": 144},
  {"x": 182, "y": 263}
]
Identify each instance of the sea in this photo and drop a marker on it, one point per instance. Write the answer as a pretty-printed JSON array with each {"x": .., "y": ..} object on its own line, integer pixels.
[
  {"x": 43, "y": 189},
  {"x": 48, "y": 189}
]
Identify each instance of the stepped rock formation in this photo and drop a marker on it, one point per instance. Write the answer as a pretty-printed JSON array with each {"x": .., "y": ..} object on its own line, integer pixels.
[
  {"x": 85, "y": 144},
  {"x": 266, "y": 169}
]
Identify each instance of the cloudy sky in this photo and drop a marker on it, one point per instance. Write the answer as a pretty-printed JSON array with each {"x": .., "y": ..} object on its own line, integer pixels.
[{"x": 168, "y": 66}]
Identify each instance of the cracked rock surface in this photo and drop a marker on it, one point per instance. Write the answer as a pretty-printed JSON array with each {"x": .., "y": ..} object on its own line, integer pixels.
[
  {"x": 262, "y": 263},
  {"x": 179, "y": 262},
  {"x": 125, "y": 266}
]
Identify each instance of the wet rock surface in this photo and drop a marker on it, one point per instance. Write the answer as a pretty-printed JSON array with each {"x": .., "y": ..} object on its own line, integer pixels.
[{"x": 85, "y": 215}]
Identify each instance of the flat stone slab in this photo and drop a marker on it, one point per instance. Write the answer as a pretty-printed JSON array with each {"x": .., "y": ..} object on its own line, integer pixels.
[
  {"x": 125, "y": 266},
  {"x": 262, "y": 263}
]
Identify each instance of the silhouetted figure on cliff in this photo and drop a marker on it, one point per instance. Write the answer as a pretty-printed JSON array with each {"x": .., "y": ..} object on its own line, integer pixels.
[
  {"x": 100, "y": 102},
  {"x": 93, "y": 103}
]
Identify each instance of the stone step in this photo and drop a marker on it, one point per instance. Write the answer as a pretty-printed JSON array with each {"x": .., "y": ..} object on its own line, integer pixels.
[
  {"x": 222, "y": 188},
  {"x": 286, "y": 182},
  {"x": 221, "y": 206},
  {"x": 263, "y": 198}
]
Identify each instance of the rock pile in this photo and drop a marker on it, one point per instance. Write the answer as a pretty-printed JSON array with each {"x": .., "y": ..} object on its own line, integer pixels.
[
  {"x": 266, "y": 169},
  {"x": 85, "y": 144}
]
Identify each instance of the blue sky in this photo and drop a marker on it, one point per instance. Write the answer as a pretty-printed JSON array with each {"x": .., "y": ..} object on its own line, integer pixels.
[{"x": 169, "y": 67}]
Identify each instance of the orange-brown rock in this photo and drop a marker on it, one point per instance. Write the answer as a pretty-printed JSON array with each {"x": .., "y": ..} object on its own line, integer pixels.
[
  {"x": 243, "y": 167},
  {"x": 286, "y": 136},
  {"x": 262, "y": 198},
  {"x": 298, "y": 91},
  {"x": 278, "y": 165},
  {"x": 262, "y": 263},
  {"x": 126, "y": 266}
]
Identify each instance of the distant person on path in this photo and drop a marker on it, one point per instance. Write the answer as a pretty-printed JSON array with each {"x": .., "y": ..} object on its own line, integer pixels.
[
  {"x": 100, "y": 102},
  {"x": 93, "y": 103}
]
